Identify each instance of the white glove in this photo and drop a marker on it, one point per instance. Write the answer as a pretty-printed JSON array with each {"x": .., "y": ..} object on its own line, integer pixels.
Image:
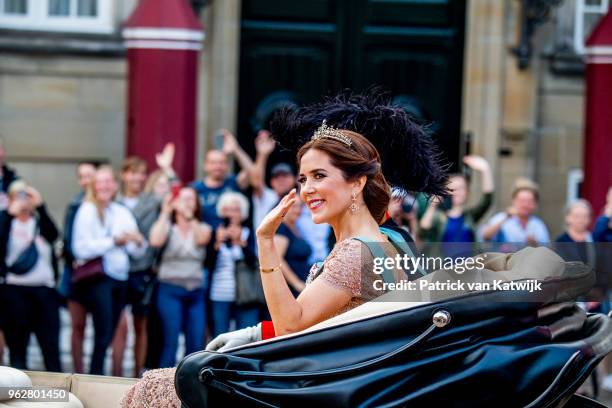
[{"x": 235, "y": 338}]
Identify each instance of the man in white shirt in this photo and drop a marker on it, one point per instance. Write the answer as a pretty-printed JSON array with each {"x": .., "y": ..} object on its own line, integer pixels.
[{"x": 518, "y": 224}]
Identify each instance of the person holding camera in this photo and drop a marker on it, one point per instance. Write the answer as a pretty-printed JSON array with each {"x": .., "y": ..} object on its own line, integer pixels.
[
  {"x": 518, "y": 224},
  {"x": 28, "y": 273},
  {"x": 231, "y": 246},
  {"x": 182, "y": 238},
  {"x": 403, "y": 209}
]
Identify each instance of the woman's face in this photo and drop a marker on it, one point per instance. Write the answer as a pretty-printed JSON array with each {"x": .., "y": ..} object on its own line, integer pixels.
[
  {"x": 134, "y": 179},
  {"x": 232, "y": 211},
  {"x": 22, "y": 202},
  {"x": 525, "y": 203},
  {"x": 395, "y": 209},
  {"x": 105, "y": 186},
  {"x": 323, "y": 188},
  {"x": 216, "y": 165},
  {"x": 161, "y": 186},
  {"x": 458, "y": 186},
  {"x": 85, "y": 173},
  {"x": 578, "y": 218},
  {"x": 186, "y": 202}
]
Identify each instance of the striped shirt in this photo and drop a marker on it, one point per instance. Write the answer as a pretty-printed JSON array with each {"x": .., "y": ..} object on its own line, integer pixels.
[{"x": 223, "y": 285}]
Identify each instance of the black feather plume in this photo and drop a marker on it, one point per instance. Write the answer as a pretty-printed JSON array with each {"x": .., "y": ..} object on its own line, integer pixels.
[{"x": 409, "y": 157}]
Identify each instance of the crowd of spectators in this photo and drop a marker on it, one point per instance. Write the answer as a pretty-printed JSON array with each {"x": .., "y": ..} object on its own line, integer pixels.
[{"x": 171, "y": 252}]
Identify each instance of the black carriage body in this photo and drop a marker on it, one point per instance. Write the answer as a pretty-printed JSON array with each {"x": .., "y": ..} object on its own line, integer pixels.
[{"x": 494, "y": 351}]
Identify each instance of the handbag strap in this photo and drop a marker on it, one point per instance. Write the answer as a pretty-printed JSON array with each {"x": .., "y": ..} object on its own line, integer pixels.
[{"x": 36, "y": 230}]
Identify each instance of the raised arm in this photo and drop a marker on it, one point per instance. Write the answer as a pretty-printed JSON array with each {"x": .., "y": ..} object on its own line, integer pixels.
[
  {"x": 492, "y": 228},
  {"x": 264, "y": 145},
  {"x": 316, "y": 303},
  {"x": 161, "y": 228},
  {"x": 164, "y": 160},
  {"x": 48, "y": 229},
  {"x": 427, "y": 220},
  {"x": 481, "y": 165},
  {"x": 231, "y": 146},
  {"x": 603, "y": 225}
]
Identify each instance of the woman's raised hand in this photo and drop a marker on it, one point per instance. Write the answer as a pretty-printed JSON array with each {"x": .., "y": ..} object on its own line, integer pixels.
[
  {"x": 264, "y": 144},
  {"x": 35, "y": 196},
  {"x": 475, "y": 162},
  {"x": 167, "y": 205},
  {"x": 166, "y": 157},
  {"x": 271, "y": 222}
]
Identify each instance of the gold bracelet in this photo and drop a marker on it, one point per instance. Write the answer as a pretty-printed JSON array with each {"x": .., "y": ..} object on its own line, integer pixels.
[{"x": 268, "y": 270}]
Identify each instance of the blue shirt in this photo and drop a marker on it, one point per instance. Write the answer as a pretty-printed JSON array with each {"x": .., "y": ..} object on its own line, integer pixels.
[
  {"x": 512, "y": 231},
  {"x": 298, "y": 252},
  {"x": 457, "y": 238},
  {"x": 601, "y": 232},
  {"x": 210, "y": 196},
  {"x": 456, "y": 231}
]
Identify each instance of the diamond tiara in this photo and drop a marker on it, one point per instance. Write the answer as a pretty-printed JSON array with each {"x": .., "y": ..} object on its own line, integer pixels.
[{"x": 329, "y": 132}]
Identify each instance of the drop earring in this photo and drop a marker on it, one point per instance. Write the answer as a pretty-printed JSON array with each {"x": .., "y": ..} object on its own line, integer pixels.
[{"x": 354, "y": 207}]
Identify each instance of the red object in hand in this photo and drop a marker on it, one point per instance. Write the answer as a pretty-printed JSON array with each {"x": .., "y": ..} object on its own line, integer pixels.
[{"x": 176, "y": 188}]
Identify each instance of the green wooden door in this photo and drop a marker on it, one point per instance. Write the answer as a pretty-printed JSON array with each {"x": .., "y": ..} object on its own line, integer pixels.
[{"x": 297, "y": 51}]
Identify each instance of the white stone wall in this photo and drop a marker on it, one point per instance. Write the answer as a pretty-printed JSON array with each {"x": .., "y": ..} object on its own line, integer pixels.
[
  {"x": 534, "y": 114},
  {"x": 58, "y": 110},
  {"x": 560, "y": 133}
]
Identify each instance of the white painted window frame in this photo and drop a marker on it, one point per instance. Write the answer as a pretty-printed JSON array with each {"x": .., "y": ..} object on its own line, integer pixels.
[
  {"x": 37, "y": 19},
  {"x": 583, "y": 9}
]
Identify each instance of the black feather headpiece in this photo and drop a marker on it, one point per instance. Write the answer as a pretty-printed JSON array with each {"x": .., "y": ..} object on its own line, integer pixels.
[{"x": 410, "y": 160}]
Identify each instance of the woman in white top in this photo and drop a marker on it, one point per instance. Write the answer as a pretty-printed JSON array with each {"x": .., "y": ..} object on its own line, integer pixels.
[
  {"x": 182, "y": 238},
  {"x": 107, "y": 230},
  {"x": 29, "y": 302}
]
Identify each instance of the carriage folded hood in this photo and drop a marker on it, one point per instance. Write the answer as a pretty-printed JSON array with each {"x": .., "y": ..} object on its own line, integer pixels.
[
  {"x": 506, "y": 348},
  {"x": 562, "y": 281}
]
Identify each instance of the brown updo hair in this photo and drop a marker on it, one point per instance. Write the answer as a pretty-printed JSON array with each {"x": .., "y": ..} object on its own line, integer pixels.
[{"x": 359, "y": 159}]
